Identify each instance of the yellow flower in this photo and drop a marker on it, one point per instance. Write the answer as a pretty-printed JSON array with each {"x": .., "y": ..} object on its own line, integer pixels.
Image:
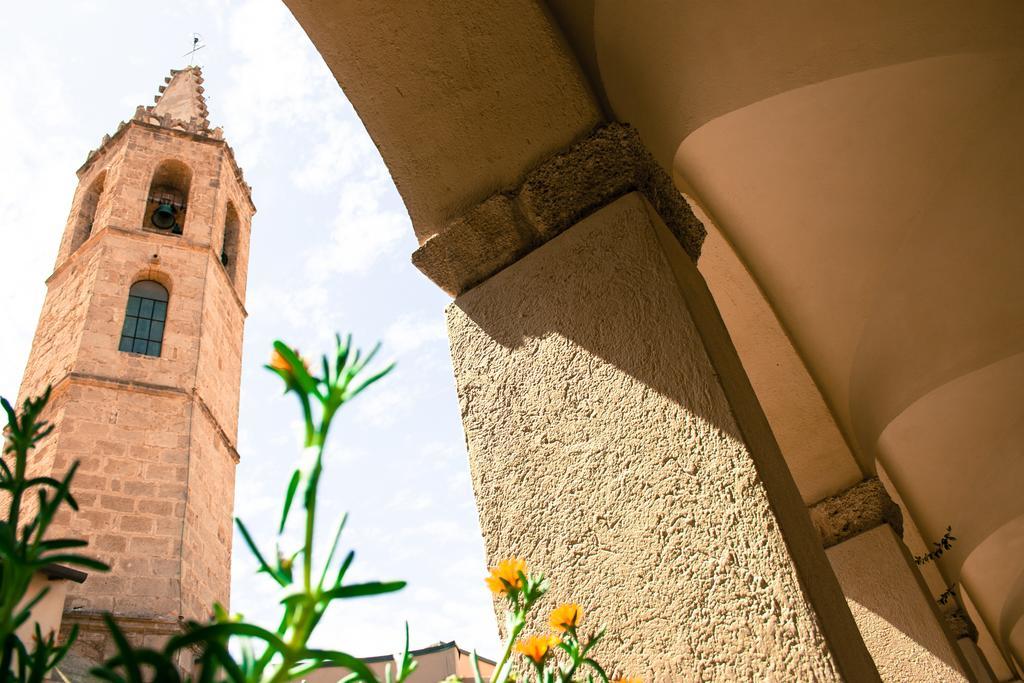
[
  {"x": 506, "y": 575},
  {"x": 537, "y": 647},
  {"x": 565, "y": 617}
]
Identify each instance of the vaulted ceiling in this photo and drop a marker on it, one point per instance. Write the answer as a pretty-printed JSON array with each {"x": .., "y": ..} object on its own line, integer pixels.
[{"x": 860, "y": 169}]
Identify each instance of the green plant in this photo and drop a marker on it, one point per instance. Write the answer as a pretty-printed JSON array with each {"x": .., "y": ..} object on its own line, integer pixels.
[
  {"x": 230, "y": 649},
  {"x": 24, "y": 548},
  {"x": 522, "y": 590},
  {"x": 940, "y": 547}
]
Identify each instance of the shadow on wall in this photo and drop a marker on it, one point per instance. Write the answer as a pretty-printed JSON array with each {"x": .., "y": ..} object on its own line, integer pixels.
[
  {"x": 898, "y": 618},
  {"x": 586, "y": 385},
  {"x": 617, "y": 302}
]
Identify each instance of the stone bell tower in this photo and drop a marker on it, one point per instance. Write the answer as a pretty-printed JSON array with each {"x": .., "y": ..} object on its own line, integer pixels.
[{"x": 140, "y": 337}]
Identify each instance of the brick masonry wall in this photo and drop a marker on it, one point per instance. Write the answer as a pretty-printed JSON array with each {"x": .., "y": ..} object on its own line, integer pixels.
[
  {"x": 133, "y": 448},
  {"x": 154, "y": 436},
  {"x": 206, "y": 543},
  {"x": 61, "y": 323},
  {"x": 220, "y": 355}
]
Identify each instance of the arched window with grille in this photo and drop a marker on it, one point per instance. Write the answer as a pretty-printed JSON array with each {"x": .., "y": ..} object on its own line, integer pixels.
[{"x": 143, "y": 329}]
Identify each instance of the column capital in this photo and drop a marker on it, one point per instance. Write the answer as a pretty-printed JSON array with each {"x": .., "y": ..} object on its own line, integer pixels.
[
  {"x": 859, "y": 508},
  {"x": 609, "y": 163}
]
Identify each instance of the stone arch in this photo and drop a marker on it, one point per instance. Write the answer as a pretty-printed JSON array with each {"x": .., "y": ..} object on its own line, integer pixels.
[
  {"x": 156, "y": 275},
  {"x": 86, "y": 215},
  {"x": 168, "y": 197},
  {"x": 230, "y": 241},
  {"x": 521, "y": 96}
]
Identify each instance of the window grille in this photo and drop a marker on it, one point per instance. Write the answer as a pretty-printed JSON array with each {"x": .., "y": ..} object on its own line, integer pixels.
[{"x": 143, "y": 329}]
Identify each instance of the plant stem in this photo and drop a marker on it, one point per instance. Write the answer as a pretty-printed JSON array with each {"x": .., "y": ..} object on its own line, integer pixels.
[{"x": 500, "y": 670}]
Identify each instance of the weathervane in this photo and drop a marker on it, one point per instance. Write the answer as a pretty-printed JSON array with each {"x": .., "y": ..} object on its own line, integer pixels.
[{"x": 196, "y": 47}]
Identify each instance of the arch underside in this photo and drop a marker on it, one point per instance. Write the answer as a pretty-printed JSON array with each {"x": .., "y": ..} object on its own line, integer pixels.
[{"x": 859, "y": 169}]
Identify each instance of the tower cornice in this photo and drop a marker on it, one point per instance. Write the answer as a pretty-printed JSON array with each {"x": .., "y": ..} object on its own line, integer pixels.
[{"x": 109, "y": 140}]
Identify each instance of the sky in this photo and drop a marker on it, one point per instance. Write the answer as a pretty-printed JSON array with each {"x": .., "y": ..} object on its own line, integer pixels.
[{"x": 330, "y": 252}]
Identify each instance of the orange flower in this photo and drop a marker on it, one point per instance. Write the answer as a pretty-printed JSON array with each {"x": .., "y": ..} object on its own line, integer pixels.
[
  {"x": 565, "y": 617},
  {"x": 537, "y": 647},
  {"x": 279, "y": 362},
  {"x": 506, "y": 575},
  {"x": 628, "y": 680}
]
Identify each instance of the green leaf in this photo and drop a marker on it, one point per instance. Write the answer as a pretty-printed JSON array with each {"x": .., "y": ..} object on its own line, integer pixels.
[
  {"x": 359, "y": 590},
  {"x": 334, "y": 547},
  {"x": 62, "y": 544},
  {"x": 210, "y": 632},
  {"x": 264, "y": 567},
  {"x": 293, "y": 486},
  {"x": 356, "y": 666},
  {"x": 126, "y": 653},
  {"x": 358, "y": 367},
  {"x": 407, "y": 664},
  {"x": 224, "y": 658},
  {"x": 326, "y": 367},
  {"x": 343, "y": 569},
  {"x": 27, "y": 607},
  {"x": 79, "y": 560},
  {"x": 44, "y": 481},
  {"x": 355, "y": 392},
  {"x": 475, "y": 661},
  {"x": 596, "y": 667},
  {"x": 343, "y": 351}
]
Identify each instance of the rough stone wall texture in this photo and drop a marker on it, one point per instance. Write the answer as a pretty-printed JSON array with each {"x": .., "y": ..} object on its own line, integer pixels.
[
  {"x": 898, "y": 619},
  {"x": 856, "y": 510},
  {"x": 58, "y": 335},
  {"x": 61, "y": 323},
  {"x": 206, "y": 543},
  {"x": 604, "y": 451},
  {"x": 132, "y": 446},
  {"x": 154, "y": 435},
  {"x": 109, "y": 162},
  {"x": 219, "y": 368},
  {"x": 556, "y": 194},
  {"x": 144, "y": 148},
  {"x": 94, "y": 644},
  {"x": 128, "y": 256},
  {"x": 130, "y": 160}
]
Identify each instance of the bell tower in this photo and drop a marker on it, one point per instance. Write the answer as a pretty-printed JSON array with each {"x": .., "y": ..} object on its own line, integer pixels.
[{"x": 140, "y": 337}]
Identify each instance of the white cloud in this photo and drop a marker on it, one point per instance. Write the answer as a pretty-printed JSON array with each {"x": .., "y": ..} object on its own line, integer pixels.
[
  {"x": 386, "y": 405},
  {"x": 364, "y": 229},
  {"x": 409, "y": 333},
  {"x": 277, "y": 81},
  {"x": 345, "y": 150}
]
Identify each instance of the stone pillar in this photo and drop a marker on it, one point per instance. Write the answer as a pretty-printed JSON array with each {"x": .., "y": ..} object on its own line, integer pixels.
[
  {"x": 976, "y": 660},
  {"x": 965, "y": 633},
  {"x": 616, "y": 444},
  {"x": 902, "y": 627}
]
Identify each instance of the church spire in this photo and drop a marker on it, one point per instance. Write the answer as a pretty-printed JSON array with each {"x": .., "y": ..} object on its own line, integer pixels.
[{"x": 180, "y": 103}]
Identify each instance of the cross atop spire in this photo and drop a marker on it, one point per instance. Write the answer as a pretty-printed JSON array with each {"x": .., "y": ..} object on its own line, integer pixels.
[{"x": 180, "y": 104}]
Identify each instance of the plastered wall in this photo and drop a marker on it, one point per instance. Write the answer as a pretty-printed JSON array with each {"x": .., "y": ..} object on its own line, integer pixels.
[{"x": 604, "y": 451}]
